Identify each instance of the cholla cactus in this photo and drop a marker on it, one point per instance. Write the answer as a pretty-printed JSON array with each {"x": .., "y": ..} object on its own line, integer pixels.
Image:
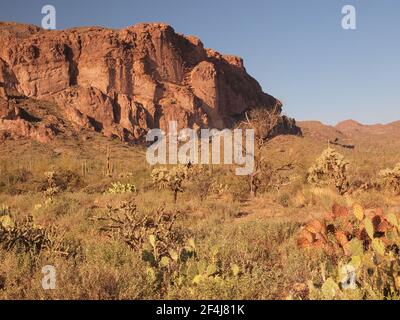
[
  {"x": 330, "y": 168},
  {"x": 26, "y": 235},
  {"x": 390, "y": 178},
  {"x": 118, "y": 187},
  {"x": 171, "y": 178},
  {"x": 52, "y": 187}
]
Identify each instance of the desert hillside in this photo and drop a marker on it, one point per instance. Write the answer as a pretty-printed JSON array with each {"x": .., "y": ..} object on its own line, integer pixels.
[{"x": 121, "y": 82}]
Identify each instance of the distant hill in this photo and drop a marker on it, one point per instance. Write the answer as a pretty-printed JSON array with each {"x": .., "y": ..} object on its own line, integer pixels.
[
  {"x": 355, "y": 129},
  {"x": 350, "y": 130},
  {"x": 320, "y": 131}
]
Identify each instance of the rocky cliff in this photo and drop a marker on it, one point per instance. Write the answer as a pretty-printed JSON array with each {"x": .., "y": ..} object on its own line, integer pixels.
[{"x": 123, "y": 82}]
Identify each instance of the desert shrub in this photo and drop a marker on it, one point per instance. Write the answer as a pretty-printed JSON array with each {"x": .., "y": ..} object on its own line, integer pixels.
[
  {"x": 237, "y": 186},
  {"x": 330, "y": 168},
  {"x": 69, "y": 180},
  {"x": 156, "y": 237},
  {"x": 185, "y": 269},
  {"x": 261, "y": 265},
  {"x": 372, "y": 198},
  {"x": 274, "y": 178},
  {"x": 364, "y": 247},
  {"x": 5, "y": 210},
  {"x": 208, "y": 184},
  {"x": 19, "y": 176},
  {"x": 218, "y": 188},
  {"x": 52, "y": 188},
  {"x": 61, "y": 180},
  {"x": 222, "y": 211},
  {"x": 390, "y": 178},
  {"x": 171, "y": 255},
  {"x": 135, "y": 228},
  {"x": 202, "y": 186},
  {"x": 360, "y": 186},
  {"x": 98, "y": 187},
  {"x": 170, "y": 178},
  {"x": 118, "y": 187},
  {"x": 284, "y": 200},
  {"x": 58, "y": 206},
  {"x": 13, "y": 181},
  {"x": 173, "y": 178},
  {"x": 28, "y": 237}
]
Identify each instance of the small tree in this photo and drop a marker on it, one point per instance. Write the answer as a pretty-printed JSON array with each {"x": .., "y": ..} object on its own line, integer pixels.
[
  {"x": 390, "y": 178},
  {"x": 330, "y": 168},
  {"x": 264, "y": 123}
]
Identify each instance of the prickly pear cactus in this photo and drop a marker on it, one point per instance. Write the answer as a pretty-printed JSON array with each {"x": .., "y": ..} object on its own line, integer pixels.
[
  {"x": 118, "y": 187},
  {"x": 366, "y": 242}
]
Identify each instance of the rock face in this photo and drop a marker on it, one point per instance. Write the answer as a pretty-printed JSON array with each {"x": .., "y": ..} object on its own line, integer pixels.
[{"x": 123, "y": 82}]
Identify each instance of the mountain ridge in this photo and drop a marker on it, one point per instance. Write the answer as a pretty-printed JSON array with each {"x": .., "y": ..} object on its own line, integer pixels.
[
  {"x": 123, "y": 82},
  {"x": 351, "y": 132}
]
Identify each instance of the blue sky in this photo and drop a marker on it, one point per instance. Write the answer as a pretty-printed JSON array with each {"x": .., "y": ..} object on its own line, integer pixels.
[{"x": 296, "y": 49}]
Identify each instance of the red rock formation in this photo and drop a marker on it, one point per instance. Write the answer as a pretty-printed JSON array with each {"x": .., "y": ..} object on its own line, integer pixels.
[{"x": 123, "y": 82}]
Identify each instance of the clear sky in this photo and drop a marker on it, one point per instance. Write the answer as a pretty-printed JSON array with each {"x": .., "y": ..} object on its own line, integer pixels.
[{"x": 296, "y": 49}]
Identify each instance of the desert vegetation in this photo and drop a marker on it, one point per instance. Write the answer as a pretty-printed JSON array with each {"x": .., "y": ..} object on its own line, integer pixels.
[{"x": 116, "y": 228}]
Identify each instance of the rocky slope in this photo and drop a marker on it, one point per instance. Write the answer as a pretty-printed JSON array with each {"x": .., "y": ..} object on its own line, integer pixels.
[
  {"x": 320, "y": 131},
  {"x": 122, "y": 82}
]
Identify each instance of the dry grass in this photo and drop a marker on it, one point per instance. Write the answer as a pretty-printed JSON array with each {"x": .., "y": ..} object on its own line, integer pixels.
[{"x": 256, "y": 235}]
